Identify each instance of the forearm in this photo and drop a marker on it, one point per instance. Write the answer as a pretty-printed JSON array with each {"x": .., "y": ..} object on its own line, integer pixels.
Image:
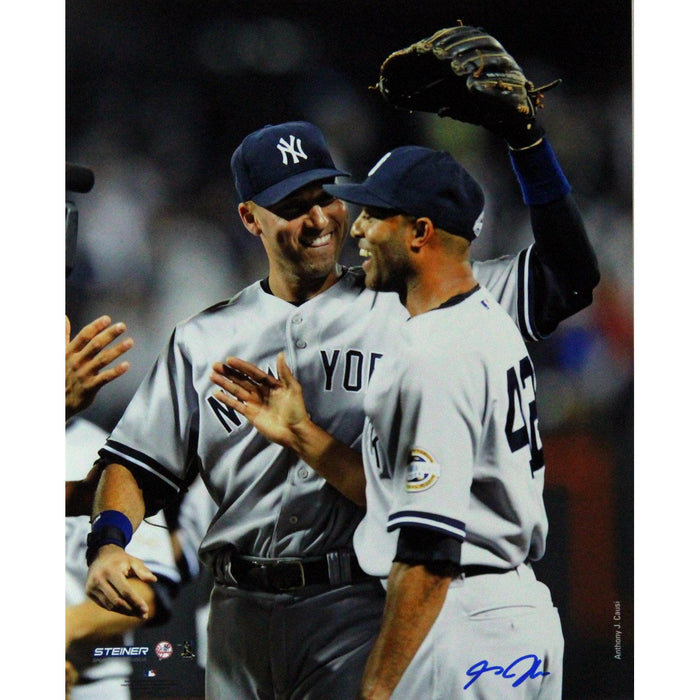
[
  {"x": 563, "y": 267},
  {"x": 560, "y": 235},
  {"x": 337, "y": 463},
  {"x": 414, "y": 600},
  {"x": 90, "y": 621},
  {"x": 118, "y": 490},
  {"x": 562, "y": 243},
  {"x": 114, "y": 576}
]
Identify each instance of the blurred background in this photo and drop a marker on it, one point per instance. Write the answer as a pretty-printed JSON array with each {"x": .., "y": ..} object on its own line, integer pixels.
[{"x": 159, "y": 94}]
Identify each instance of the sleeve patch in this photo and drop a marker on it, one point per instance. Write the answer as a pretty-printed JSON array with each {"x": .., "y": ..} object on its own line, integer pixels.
[{"x": 423, "y": 471}]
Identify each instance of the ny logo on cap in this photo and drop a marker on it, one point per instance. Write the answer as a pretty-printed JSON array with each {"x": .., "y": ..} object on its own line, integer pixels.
[{"x": 293, "y": 148}]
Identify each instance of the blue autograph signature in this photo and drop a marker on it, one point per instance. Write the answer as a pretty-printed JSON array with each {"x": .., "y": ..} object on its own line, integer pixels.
[{"x": 480, "y": 667}]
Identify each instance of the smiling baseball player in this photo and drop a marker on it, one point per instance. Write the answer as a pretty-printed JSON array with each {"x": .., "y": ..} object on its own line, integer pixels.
[
  {"x": 452, "y": 455},
  {"x": 292, "y": 613}
]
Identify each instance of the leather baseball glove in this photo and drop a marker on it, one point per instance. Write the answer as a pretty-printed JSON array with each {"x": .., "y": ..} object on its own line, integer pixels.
[{"x": 464, "y": 73}]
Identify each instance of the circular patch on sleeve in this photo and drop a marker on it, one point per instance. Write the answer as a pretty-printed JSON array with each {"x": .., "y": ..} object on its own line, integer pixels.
[{"x": 423, "y": 471}]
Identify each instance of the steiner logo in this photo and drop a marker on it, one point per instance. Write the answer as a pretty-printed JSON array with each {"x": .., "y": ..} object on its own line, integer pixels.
[{"x": 102, "y": 652}]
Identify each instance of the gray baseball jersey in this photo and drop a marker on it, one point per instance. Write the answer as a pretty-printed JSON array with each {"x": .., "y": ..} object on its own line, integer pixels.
[
  {"x": 451, "y": 440},
  {"x": 451, "y": 445},
  {"x": 104, "y": 676},
  {"x": 269, "y": 503}
]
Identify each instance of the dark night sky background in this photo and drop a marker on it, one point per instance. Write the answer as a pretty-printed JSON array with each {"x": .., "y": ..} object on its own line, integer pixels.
[{"x": 154, "y": 51}]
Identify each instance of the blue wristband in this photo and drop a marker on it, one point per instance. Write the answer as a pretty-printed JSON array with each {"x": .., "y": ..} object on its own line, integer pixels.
[
  {"x": 108, "y": 527},
  {"x": 539, "y": 174},
  {"x": 113, "y": 518}
]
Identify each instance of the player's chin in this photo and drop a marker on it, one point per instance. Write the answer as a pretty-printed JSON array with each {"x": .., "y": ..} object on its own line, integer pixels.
[
  {"x": 320, "y": 263},
  {"x": 382, "y": 281},
  {"x": 376, "y": 283}
]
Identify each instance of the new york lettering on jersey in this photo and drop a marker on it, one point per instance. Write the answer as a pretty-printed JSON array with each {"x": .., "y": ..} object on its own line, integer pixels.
[{"x": 346, "y": 370}]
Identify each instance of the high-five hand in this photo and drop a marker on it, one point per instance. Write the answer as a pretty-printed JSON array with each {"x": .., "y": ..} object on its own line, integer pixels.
[{"x": 274, "y": 406}]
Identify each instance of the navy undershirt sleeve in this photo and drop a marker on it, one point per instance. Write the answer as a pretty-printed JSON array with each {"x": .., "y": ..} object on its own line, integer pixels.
[{"x": 438, "y": 552}]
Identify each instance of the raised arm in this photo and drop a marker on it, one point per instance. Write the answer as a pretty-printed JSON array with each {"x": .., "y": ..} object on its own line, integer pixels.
[
  {"x": 563, "y": 268},
  {"x": 277, "y": 410},
  {"x": 554, "y": 278},
  {"x": 466, "y": 74}
]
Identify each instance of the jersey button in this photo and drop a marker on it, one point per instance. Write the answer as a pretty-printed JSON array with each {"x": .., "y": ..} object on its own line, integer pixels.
[
  {"x": 297, "y": 319},
  {"x": 303, "y": 472},
  {"x": 300, "y": 343},
  {"x": 293, "y": 520}
]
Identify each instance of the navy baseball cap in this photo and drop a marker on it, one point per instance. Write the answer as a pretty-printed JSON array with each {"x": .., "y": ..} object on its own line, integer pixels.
[
  {"x": 421, "y": 182},
  {"x": 278, "y": 159}
]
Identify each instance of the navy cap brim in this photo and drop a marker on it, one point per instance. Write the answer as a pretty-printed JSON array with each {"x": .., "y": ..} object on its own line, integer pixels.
[
  {"x": 280, "y": 190},
  {"x": 359, "y": 194}
]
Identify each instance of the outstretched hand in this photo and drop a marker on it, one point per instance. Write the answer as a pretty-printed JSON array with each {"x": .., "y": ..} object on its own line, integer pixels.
[
  {"x": 86, "y": 355},
  {"x": 274, "y": 406}
]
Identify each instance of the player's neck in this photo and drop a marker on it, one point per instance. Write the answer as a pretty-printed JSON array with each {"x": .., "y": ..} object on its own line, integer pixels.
[
  {"x": 297, "y": 289},
  {"x": 435, "y": 285}
]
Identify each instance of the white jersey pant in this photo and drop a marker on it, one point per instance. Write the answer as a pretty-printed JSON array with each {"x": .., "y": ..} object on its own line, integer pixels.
[
  {"x": 264, "y": 646},
  {"x": 495, "y": 637}
]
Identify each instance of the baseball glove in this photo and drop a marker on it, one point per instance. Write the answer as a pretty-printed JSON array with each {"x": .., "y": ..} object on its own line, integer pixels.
[{"x": 464, "y": 73}]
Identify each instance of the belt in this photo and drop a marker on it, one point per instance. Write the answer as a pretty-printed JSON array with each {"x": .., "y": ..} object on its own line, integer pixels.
[
  {"x": 479, "y": 570},
  {"x": 337, "y": 568}
]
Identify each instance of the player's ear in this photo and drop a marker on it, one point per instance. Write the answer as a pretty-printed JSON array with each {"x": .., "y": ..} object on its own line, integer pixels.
[
  {"x": 246, "y": 210},
  {"x": 423, "y": 231}
]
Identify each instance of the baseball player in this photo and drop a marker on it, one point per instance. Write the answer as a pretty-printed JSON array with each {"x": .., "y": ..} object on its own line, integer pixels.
[
  {"x": 292, "y": 612},
  {"x": 453, "y": 461},
  {"x": 455, "y": 472},
  {"x": 95, "y": 637}
]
